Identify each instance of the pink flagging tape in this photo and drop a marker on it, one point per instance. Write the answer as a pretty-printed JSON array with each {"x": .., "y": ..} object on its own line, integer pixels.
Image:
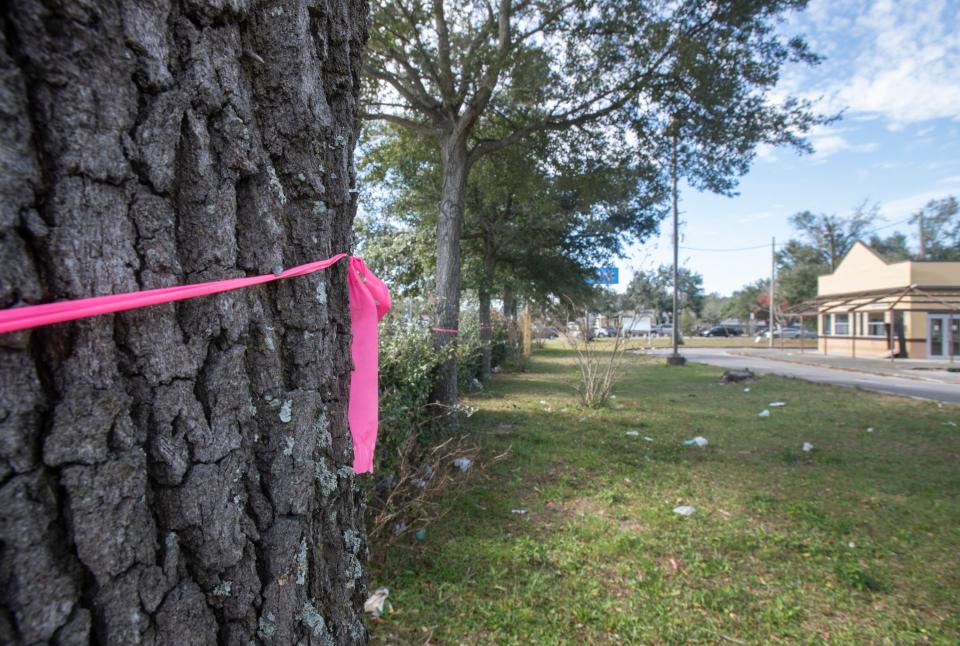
[
  {"x": 369, "y": 302},
  {"x": 448, "y": 330}
]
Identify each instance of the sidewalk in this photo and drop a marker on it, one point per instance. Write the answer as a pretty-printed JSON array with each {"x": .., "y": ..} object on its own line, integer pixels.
[{"x": 931, "y": 371}]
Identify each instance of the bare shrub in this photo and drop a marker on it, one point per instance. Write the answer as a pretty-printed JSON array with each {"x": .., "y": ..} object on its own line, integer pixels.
[{"x": 599, "y": 366}]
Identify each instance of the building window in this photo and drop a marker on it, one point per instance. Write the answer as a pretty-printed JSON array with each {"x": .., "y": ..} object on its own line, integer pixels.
[
  {"x": 827, "y": 325},
  {"x": 875, "y": 324},
  {"x": 841, "y": 324}
]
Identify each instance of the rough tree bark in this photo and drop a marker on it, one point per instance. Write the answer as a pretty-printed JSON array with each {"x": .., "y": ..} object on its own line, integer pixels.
[
  {"x": 455, "y": 167},
  {"x": 484, "y": 296},
  {"x": 178, "y": 474}
]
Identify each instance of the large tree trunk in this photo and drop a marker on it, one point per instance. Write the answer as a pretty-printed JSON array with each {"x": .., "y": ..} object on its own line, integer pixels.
[
  {"x": 510, "y": 316},
  {"x": 455, "y": 166},
  {"x": 486, "y": 324},
  {"x": 178, "y": 474}
]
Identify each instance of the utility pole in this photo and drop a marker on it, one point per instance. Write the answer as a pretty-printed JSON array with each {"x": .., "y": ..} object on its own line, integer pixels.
[
  {"x": 675, "y": 359},
  {"x": 773, "y": 280},
  {"x": 923, "y": 250}
]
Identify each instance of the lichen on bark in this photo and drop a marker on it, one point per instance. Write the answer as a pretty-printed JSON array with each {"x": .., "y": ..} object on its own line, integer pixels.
[{"x": 150, "y": 493}]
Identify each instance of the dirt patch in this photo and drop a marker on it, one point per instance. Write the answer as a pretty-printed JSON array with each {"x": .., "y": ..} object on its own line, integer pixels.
[
  {"x": 578, "y": 507},
  {"x": 631, "y": 526}
]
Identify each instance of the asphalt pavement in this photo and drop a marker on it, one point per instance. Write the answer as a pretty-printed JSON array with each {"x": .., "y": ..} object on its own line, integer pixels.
[{"x": 919, "y": 388}]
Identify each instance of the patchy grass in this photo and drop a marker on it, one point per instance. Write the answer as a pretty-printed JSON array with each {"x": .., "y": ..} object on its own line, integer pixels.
[{"x": 856, "y": 541}]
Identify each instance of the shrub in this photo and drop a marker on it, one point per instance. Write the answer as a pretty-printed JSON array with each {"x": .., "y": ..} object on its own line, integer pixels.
[{"x": 412, "y": 466}]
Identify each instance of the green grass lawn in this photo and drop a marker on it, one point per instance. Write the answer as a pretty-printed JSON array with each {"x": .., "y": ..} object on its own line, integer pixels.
[{"x": 857, "y": 541}]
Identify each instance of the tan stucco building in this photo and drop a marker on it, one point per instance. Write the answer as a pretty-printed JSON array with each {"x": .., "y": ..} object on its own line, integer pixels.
[{"x": 873, "y": 308}]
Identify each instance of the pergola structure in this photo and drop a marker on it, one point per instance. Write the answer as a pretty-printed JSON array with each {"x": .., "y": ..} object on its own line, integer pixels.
[{"x": 912, "y": 298}]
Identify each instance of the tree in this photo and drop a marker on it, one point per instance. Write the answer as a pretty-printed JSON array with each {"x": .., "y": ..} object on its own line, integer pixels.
[
  {"x": 713, "y": 307},
  {"x": 178, "y": 474},
  {"x": 539, "y": 216},
  {"x": 893, "y": 248},
  {"x": 831, "y": 236},
  {"x": 654, "y": 290},
  {"x": 489, "y": 77},
  {"x": 939, "y": 222},
  {"x": 750, "y": 299},
  {"x": 824, "y": 241}
]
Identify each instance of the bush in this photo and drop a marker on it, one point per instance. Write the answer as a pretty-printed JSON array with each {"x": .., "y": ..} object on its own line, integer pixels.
[{"x": 412, "y": 466}]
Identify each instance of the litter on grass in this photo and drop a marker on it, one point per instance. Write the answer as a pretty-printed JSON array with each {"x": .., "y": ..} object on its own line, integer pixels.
[
  {"x": 463, "y": 463},
  {"x": 374, "y": 603},
  {"x": 684, "y": 510},
  {"x": 764, "y": 413},
  {"x": 776, "y": 404},
  {"x": 632, "y": 433},
  {"x": 950, "y": 423},
  {"x": 807, "y": 447},
  {"x": 648, "y": 439},
  {"x": 698, "y": 440},
  {"x": 746, "y": 390},
  {"x": 518, "y": 512},
  {"x": 421, "y": 534},
  {"x": 870, "y": 429}
]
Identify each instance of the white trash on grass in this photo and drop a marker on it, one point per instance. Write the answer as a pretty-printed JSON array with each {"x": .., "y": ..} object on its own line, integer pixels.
[
  {"x": 684, "y": 510},
  {"x": 698, "y": 441},
  {"x": 648, "y": 439},
  {"x": 463, "y": 463},
  {"x": 776, "y": 404},
  {"x": 764, "y": 413},
  {"x": 518, "y": 512},
  {"x": 870, "y": 429},
  {"x": 807, "y": 447},
  {"x": 374, "y": 603},
  {"x": 632, "y": 433},
  {"x": 746, "y": 390}
]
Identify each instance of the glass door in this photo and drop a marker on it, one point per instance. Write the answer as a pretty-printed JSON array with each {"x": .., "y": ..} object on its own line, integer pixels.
[
  {"x": 936, "y": 336},
  {"x": 944, "y": 336},
  {"x": 954, "y": 335}
]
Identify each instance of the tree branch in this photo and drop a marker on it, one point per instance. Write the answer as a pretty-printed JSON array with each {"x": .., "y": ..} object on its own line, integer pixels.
[
  {"x": 443, "y": 54},
  {"x": 423, "y": 103},
  {"x": 410, "y": 124},
  {"x": 563, "y": 121},
  {"x": 489, "y": 81}
]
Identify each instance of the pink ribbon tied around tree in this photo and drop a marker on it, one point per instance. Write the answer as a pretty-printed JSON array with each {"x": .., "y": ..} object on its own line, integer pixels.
[{"x": 369, "y": 302}]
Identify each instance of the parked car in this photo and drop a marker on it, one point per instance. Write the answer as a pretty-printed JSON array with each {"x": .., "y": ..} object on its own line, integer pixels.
[
  {"x": 663, "y": 330},
  {"x": 720, "y": 330},
  {"x": 545, "y": 332},
  {"x": 791, "y": 332},
  {"x": 603, "y": 332}
]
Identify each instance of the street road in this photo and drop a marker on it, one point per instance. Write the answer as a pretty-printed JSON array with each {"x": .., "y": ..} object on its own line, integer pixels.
[{"x": 924, "y": 389}]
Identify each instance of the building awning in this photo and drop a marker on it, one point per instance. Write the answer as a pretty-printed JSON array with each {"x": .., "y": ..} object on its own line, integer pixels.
[{"x": 913, "y": 298}]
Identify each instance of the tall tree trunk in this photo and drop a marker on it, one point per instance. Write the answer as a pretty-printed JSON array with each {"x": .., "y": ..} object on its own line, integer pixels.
[
  {"x": 510, "y": 315},
  {"x": 178, "y": 474},
  {"x": 454, "y": 167},
  {"x": 486, "y": 323}
]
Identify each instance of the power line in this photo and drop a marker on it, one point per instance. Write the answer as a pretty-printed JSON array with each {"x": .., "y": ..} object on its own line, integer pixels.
[
  {"x": 892, "y": 224},
  {"x": 764, "y": 246},
  {"x": 761, "y": 246}
]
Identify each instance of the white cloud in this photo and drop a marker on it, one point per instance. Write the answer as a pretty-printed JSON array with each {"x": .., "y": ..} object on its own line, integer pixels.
[
  {"x": 904, "y": 207},
  {"x": 829, "y": 140},
  {"x": 899, "y": 60}
]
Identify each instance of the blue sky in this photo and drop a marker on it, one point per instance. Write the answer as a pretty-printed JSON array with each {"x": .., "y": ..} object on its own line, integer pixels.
[{"x": 894, "y": 68}]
